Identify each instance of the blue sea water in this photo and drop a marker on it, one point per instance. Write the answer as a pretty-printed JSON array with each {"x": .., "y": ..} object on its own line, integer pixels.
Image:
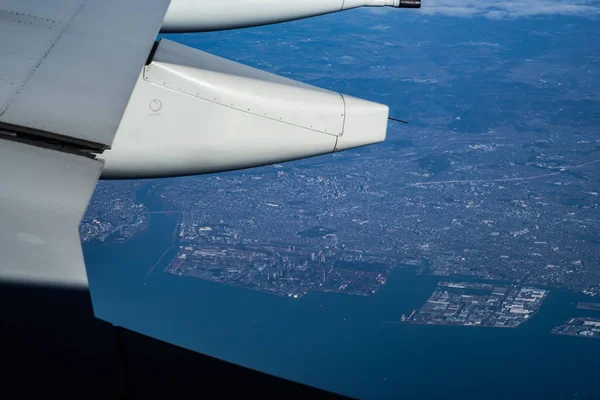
[{"x": 335, "y": 341}]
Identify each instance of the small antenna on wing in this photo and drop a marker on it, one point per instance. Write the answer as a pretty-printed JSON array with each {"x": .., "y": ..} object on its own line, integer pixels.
[{"x": 398, "y": 120}]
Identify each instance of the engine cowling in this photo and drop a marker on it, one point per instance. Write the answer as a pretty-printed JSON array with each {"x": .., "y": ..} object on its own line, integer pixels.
[
  {"x": 205, "y": 16},
  {"x": 193, "y": 113}
]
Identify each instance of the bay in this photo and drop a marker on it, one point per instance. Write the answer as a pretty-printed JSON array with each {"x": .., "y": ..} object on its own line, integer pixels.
[{"x": 334, "y": 341}]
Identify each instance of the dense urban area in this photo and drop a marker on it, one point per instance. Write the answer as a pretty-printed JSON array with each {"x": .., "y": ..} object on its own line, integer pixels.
[
  {"x": 486, "y": 207},
  {"x": 113, "y": 213}
]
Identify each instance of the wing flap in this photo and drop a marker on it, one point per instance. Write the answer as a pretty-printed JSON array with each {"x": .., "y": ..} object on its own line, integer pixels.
[{"x": 44, "y": 194}]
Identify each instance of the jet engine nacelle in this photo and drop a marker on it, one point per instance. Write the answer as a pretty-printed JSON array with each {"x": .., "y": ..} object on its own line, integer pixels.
[
  {"x": 204, "y": 16},
  {"x": 193, "y": 113}
]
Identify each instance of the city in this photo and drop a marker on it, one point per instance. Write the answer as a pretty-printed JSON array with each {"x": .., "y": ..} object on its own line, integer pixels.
[
  {"x": 528, "y": 222},
  {"x": 114, "y": 214}
]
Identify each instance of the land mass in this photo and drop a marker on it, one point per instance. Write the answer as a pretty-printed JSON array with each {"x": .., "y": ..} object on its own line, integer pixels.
[
  {"x": 582, "y": 327},
  {"x": 588, "y": 306},
  {"x": 478, "y": 304}
]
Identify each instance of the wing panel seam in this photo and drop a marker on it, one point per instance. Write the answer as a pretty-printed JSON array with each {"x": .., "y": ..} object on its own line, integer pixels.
[
  {"x": 238, "y": 109},
  {"x": 40, "y": 61},
  {"x": 153, "y": 80}
]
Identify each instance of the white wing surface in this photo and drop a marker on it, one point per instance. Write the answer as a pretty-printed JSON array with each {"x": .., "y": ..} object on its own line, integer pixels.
[
  {"x": 44, "y": 194},
  {"x": 67, "y": 70},
  {"x": 67, "y": 67},
  {"x": 195, "y": 113}
]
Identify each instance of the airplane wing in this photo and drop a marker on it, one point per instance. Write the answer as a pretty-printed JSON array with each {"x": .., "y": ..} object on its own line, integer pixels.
[
  {"x": 67, "y": 69},
  {"x": 44, "y": 194},
  {"x": 85, "y": 91},
  {"x": 74, "y": 104}
]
